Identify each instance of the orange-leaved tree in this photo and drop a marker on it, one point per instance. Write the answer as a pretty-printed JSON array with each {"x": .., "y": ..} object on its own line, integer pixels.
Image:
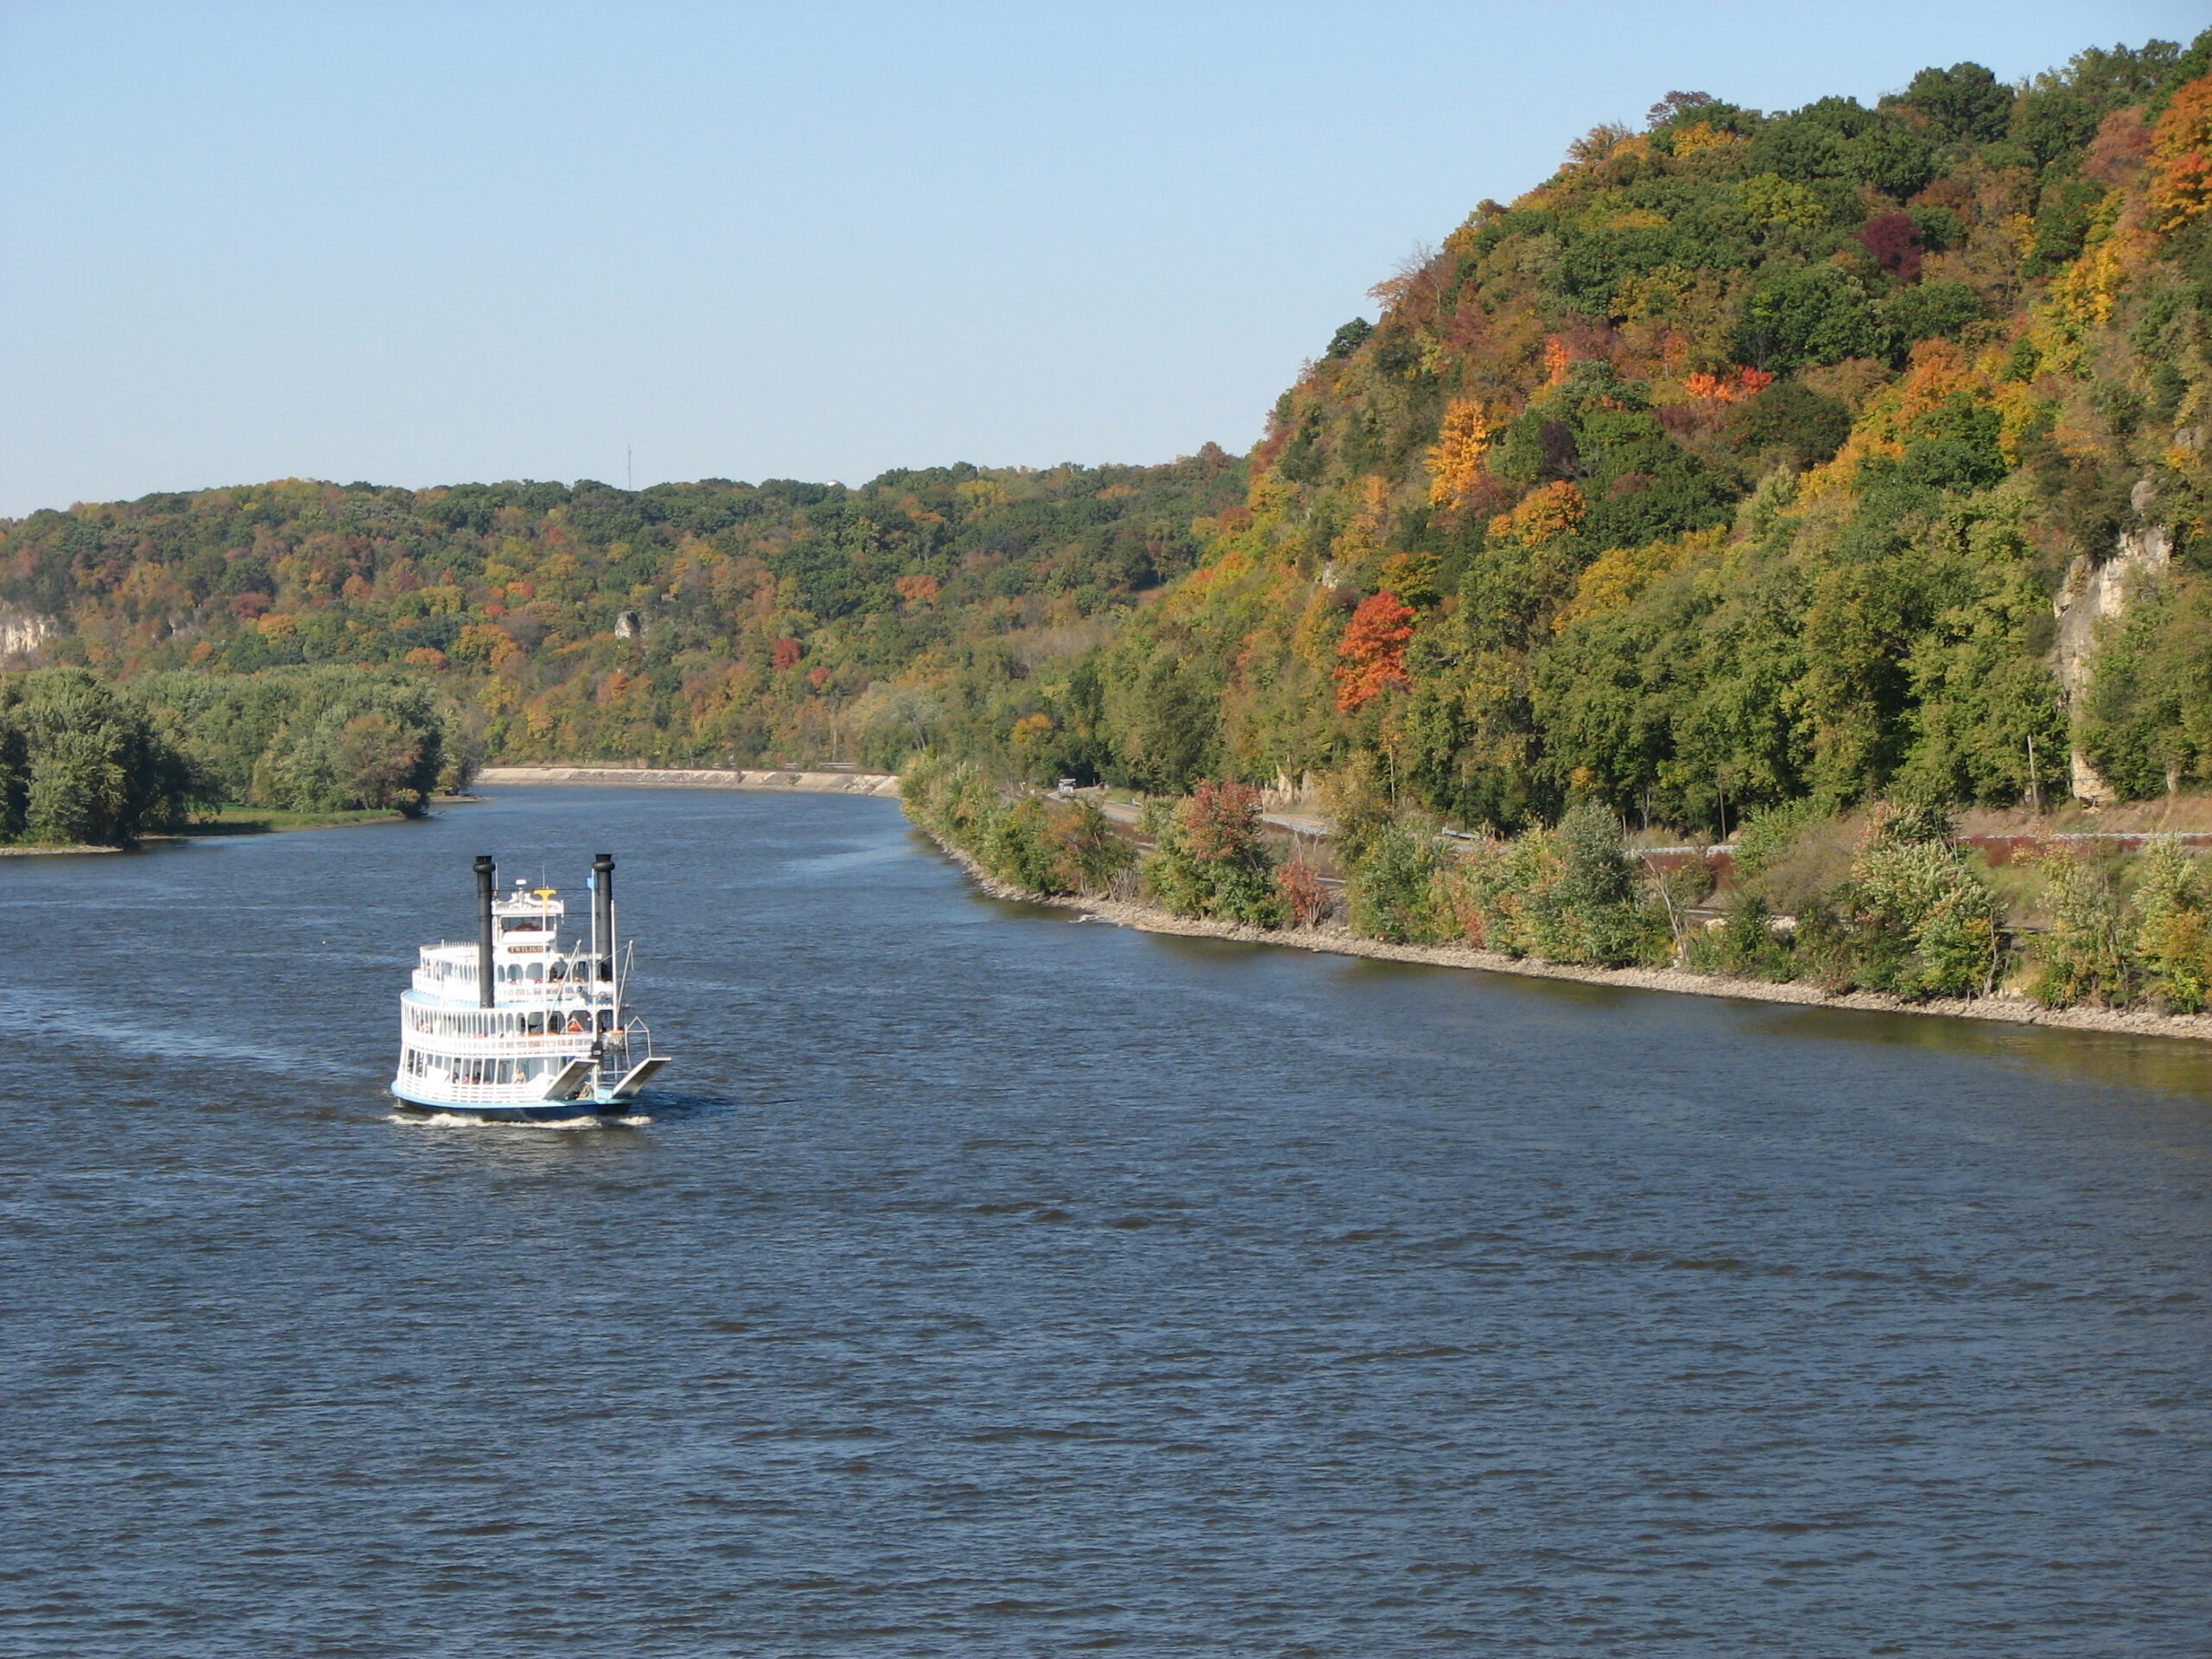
[
  {"x": 1544, "y": 514},
  {"x": 2181, "y": 179},
  {"x": 1455, "y": 460},
  {"x": 1372, "y": 657}
]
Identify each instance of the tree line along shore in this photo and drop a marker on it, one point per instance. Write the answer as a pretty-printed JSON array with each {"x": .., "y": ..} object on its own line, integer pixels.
[{"x": 1882, "y": 903}]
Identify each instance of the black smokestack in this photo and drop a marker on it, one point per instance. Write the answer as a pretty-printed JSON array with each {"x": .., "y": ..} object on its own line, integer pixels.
[
  {"x": 602, "y": 911},
  {"x": 486, "y": 874}
]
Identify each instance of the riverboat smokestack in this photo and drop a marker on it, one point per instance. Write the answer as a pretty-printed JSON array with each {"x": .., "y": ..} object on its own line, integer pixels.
[
  {"x": 488, "y": 873},
  {"x": 602, "y": 912}
]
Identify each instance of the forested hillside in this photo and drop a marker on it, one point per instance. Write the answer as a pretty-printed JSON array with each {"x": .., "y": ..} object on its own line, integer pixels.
[
  {"x": 708, "y": 621},
  {"x": 1813, "y": 455},
  {"x": 1745, "y": 458}
]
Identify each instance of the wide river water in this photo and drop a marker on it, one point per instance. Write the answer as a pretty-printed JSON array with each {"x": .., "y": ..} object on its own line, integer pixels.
[{"x": 991, "y": 1282}]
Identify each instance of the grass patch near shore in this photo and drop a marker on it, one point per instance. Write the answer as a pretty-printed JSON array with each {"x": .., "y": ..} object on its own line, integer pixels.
[{"x": 238, "y": 819}]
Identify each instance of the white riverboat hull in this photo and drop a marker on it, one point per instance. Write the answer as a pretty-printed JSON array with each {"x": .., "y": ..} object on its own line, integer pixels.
[
  {"x": 520, "y": 1111},
  {"x": 527, "y": 1106}
]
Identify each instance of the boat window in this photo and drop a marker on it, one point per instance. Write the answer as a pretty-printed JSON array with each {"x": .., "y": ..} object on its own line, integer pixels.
[
  {"x": 537, "y": 971},
  {"x": 560, "y": 971},
  {"x": 605, "y": 1017}
]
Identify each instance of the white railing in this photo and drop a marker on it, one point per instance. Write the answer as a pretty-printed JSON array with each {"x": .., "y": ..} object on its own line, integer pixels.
[
  {"x": 572, "y": 1044},
  {"x": 451, "y": 1092},
  {"x": 453, "y": 988}
]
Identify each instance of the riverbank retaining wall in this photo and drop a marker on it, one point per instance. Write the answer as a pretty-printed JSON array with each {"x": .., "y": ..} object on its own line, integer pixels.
[{"x": 823, "y": 782}]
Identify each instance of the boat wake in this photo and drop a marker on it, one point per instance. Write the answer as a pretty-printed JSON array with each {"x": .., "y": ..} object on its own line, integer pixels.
[{"x": 463, "y": 1120}]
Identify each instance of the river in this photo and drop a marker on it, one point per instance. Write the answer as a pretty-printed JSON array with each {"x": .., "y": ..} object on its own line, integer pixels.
[{"x": 988, "y": 1282}]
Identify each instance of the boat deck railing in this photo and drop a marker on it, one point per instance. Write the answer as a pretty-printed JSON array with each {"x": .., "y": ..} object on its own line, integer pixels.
[
  {"x": 569, "y": 1044},
  {"x": 510, "y": 992}
]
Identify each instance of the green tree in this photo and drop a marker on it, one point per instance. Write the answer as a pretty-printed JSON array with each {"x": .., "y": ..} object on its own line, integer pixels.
[
  {"x": 1965, "y": 103},
  {"x": 81, "y": 763}
]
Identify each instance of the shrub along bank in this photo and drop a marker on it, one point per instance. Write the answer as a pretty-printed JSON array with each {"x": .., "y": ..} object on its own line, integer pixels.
[
  {"x": 1888, "y": 901},
  {"x": 1048, "y": 847}
]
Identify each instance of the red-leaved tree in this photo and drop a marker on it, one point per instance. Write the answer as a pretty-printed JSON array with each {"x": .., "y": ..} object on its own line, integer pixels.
[
  {"x": 1221, "y": 822},
  {"x": 1372, "y": 657},
  {"x": 1893, "y": 241},
  {"x": 1303, "y": 896}
]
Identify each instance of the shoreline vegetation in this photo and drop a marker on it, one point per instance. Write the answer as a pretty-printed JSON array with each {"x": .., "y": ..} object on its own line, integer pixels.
[
  {"x": 1340, "y": 941},
  {"x": 1890, "y": 914},
  {"x": 88, "y": 763}
]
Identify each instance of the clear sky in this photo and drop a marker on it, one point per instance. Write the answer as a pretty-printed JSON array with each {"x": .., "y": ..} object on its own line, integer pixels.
[{"x": 424, "y": 244}]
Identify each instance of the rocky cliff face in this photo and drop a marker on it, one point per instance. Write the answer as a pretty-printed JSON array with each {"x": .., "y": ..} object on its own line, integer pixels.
[
  {"x": 22, "y": 632},
  {"x": 2096, "y": 594}
]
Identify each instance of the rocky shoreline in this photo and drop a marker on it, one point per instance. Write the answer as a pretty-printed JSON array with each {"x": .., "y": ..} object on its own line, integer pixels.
[{"x": 2003, "y": 1008}]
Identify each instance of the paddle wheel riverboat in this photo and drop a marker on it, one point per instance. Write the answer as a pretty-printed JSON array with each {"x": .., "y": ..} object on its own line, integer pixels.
[{"x": 521, "y": 1025}]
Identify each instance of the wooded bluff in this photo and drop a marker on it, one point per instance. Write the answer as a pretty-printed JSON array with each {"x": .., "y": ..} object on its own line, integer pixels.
[{"x": 1751, "y": 459}]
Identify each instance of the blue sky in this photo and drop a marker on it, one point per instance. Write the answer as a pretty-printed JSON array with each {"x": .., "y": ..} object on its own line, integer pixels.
[{"x": 423, "y": 244}]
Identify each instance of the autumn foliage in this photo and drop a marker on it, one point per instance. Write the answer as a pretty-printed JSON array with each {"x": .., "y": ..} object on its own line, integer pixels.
[
  {"x": 1455, "y": 461},
  {"x": 2181, "y": 186},
  {"x": 1729, "y": 387},
  {"x": 1372, "y": 657},
  {"x": 1306, "y": 901},
  {"x": 1741, "y": 461},
  {"x": 1892, "y": 242},
  {"x": 1555, "y": 510}
]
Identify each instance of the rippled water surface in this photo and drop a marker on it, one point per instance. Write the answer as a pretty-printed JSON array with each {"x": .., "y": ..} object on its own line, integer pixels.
[{"x": 991, "y": 1283}]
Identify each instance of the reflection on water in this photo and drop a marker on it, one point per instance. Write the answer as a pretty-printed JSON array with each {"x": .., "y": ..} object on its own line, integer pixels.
[
  {"x": 985, "y": 1283},
  {"x": 2170, "y": 1064}
]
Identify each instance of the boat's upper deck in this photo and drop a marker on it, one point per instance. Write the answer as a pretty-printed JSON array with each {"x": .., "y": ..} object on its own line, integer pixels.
[{"x": 531, "y": 962}]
